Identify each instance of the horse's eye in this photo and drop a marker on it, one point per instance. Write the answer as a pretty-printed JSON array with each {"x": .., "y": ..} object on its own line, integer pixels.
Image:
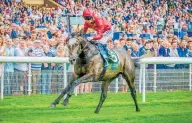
[
  {"x": 69, "y": 46},
  {"x": 76, "y": 44}
]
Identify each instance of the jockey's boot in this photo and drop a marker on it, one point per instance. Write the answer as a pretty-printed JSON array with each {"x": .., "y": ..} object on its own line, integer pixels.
[
  {"x": 102, "y": 51},
  {"x": 105, "y": 63}
]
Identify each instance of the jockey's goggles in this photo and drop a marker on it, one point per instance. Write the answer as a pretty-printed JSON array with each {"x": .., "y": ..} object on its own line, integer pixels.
[{"x": 88, "y": 18}]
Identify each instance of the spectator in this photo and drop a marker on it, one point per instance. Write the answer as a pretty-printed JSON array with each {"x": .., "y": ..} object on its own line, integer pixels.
[
  {"x": 164, "y": 51},
  {"x": 190, "y": 48},
  {"x": 135, "y": 50},
  {"x": 128, "y": 45},
  {"x": 2, "y": 53},
  {"x": 57, "y": 84},
  {"x": 174, "y": 53},
  {"x": 36, "y": 51},
  {"x": 145, "y": 49},
  {"x": 190, "y": 28},
  {"x": 183, "y": 52},
  {"x": 9, "y": 68},
  {"x": 110, "y": 44},
  {"x": 155, "y": 47},
  {"x": 117, "y": 44},
  {"x": 20, "y": 69},
  {"x": 139, "y": 42},
  {"x": 53, "y": 46},
  {"x": 16, "y": 42},
  {"x": 122, "y": 42},
  {"x": 46, "y": 72},
  {"x": 173, "y": 49}
]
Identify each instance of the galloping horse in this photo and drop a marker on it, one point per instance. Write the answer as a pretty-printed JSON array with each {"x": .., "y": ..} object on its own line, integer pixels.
[{"x": 88, "y": 65}]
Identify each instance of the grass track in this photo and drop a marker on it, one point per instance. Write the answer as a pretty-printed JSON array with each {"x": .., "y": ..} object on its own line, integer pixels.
[{"x": 161, "y": 107}]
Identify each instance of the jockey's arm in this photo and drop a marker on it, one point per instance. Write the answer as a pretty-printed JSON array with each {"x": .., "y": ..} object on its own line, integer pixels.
[
  {"x": 100, "y": 30},
  {"x": 98, "y": 36}
]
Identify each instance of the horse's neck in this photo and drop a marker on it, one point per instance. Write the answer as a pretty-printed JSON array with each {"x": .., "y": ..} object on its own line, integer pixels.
[
  {"x": 89, "y": 50},
  {"x": 92, "y": 50},
  {"x": 88, "y": 47}
]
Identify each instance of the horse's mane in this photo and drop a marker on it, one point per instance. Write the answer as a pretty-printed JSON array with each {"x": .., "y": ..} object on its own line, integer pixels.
[{"x": 86, "y": 45}]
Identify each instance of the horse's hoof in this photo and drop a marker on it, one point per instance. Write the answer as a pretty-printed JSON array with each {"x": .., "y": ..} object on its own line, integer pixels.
[
  {"x": 52, "y": 106},
  {"x": 96, "y": 112},
  {"x": 65, "y": 102},
  {"x": 138, "y": 110}
]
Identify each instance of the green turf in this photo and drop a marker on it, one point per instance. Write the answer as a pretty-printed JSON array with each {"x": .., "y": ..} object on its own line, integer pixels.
[{"x": 161, "y": 107}]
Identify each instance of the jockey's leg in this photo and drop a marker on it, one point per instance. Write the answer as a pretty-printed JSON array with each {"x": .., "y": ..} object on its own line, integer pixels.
[
  {"x": 102, "y": 52},
  {"x": 105, "y": 62},
  {"x": 107, "y": 50},
  {"x": 107, "y": 35}
]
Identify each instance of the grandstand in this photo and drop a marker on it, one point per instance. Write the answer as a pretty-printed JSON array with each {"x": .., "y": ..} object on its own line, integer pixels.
[
  {"x": 34, "y": 60},
  {"x": 164, "y": 27}
]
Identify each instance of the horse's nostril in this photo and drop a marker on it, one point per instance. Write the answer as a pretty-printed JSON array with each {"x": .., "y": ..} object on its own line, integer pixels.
[{"x": 73, "y": 59}]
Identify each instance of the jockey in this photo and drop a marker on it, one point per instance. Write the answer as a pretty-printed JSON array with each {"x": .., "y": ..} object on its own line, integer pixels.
[{"x": 103, "y": 29}]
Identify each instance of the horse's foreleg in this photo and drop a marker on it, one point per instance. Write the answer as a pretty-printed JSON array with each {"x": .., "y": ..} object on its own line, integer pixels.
[
  {"x": 69, "y": 91},
  {"x": 105, "y": 86},
  {"x": 65, "y": 91},
  {"x": 83, "y": 79},
  {"x": 66, "y": 100},
  {"x": 53, "y": 105}
]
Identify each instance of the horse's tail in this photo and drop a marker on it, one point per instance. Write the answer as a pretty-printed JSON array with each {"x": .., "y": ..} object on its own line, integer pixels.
[
  {"x": 150, "y": 54},
  {"x": 137, "y": 59}
]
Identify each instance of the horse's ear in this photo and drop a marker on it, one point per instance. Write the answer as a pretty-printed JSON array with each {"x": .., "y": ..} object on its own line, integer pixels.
[
  {"x": 76, "y": 34},
  {"x": 81, "y": 32},
  {"x": 80, "y": 39}
]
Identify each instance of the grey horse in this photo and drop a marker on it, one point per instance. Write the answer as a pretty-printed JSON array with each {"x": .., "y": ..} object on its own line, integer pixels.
[{"x": 88, "y": 66}]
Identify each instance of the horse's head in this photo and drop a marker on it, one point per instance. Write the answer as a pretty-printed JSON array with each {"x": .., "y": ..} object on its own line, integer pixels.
[{"x": 75, "y": 45}]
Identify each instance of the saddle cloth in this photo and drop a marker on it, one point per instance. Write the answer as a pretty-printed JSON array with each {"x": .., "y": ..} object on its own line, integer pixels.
[{"x": 112, "y": 61}]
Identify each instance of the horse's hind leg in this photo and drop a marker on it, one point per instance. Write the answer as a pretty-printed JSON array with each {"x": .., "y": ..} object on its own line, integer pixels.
[
  {"x": 105, "y": 86},
  {"x": 130, "y": 82}
]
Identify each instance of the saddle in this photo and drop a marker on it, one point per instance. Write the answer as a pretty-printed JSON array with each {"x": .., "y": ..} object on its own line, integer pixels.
[{"x": 110, "y": 58}]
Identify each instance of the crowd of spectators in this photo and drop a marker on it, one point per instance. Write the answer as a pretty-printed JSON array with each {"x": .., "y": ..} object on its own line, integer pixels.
[{"x": 164, "y": 26}]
